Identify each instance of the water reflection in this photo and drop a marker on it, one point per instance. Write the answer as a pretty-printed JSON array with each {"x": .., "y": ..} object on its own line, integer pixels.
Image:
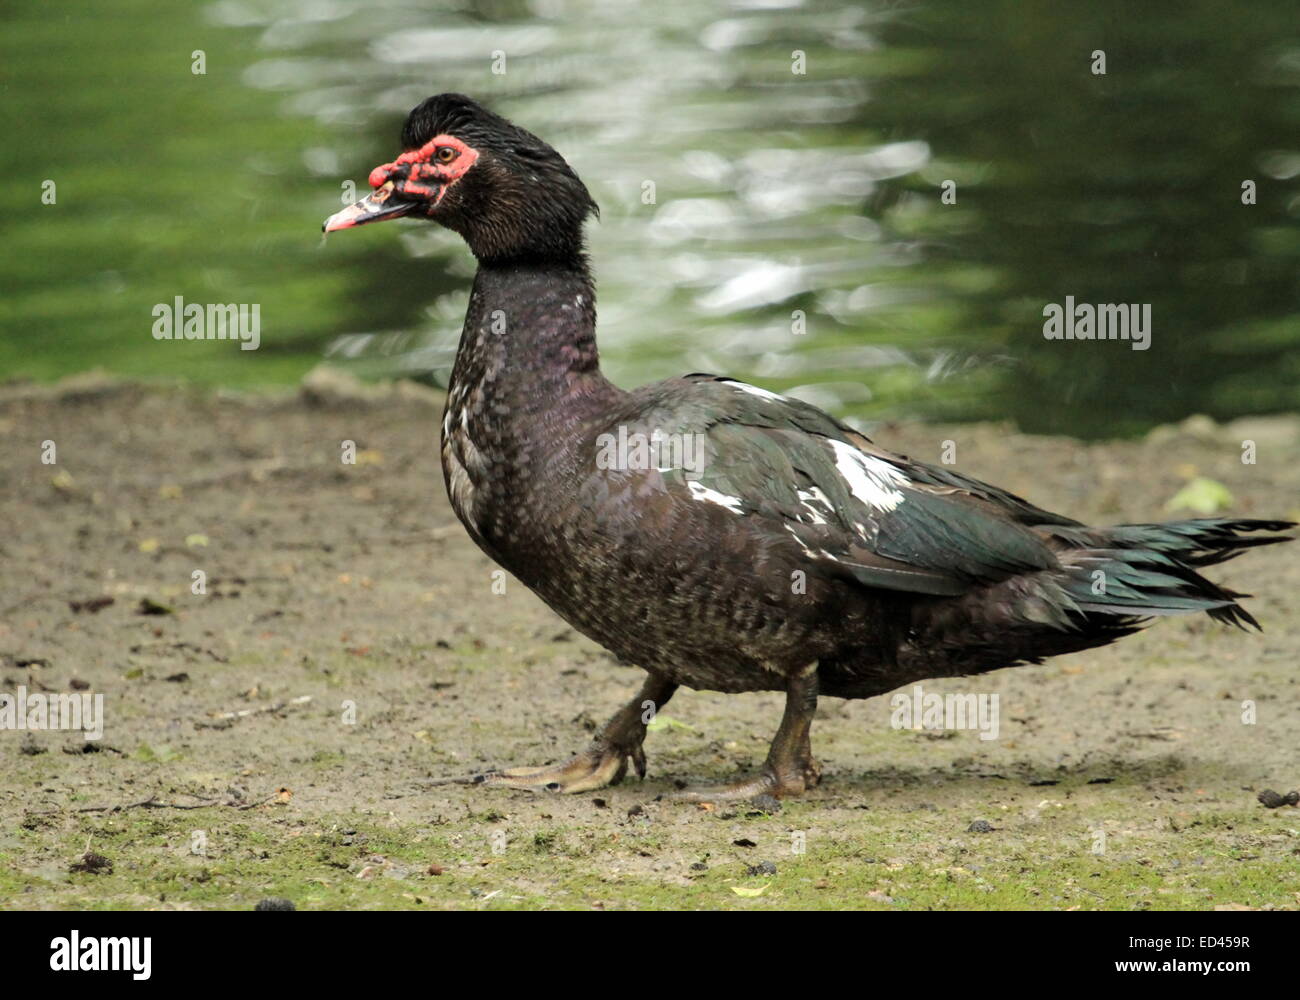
[
  {"x": 726, "y": 144},
  {"x": 774, "y": 224},
  {"x": 1125, "y": 187}
]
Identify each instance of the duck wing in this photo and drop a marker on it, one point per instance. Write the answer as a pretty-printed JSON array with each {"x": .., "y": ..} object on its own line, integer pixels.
[{"x": 851, "y": 507}]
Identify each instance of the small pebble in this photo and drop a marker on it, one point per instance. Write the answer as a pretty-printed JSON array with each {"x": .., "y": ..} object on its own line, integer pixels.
[{"x": 980, "y": 826}]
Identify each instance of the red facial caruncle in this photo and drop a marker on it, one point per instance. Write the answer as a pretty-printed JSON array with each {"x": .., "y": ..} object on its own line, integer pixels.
[
  {"x": 444, "y": 159},
  {"x": 413, "y": 184}
]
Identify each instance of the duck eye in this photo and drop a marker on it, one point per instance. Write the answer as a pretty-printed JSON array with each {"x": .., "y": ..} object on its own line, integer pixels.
[{"x": 445, "y": 154}]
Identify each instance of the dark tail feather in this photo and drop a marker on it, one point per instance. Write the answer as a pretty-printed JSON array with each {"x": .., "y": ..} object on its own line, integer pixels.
[
  {"x": 1150, "y": 569},
  {"x": 1202, "y": 541},
  {"x": 1109, "y": 583}
]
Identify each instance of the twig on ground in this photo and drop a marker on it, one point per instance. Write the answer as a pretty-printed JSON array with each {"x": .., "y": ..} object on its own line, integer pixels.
[
  {"x": 152, "y": 803},
  {"x": 244, "y": 713}
]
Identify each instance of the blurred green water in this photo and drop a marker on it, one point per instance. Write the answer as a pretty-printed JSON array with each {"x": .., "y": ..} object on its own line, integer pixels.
[
  {"x": 1116, "y": 188},
  {"x": 781, "y": 200}
]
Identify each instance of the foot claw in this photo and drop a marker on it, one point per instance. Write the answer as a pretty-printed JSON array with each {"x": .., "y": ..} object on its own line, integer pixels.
[
  {"x": 781, "y": 785},
  {"x": 597, "y": 766}
]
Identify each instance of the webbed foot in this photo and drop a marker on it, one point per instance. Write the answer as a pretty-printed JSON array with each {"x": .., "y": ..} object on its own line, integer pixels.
[
  {"x": 597, "y": 766},
  {"x": 605, "y": 761},
  {"x": 787, "y": 783},
  {"x": 790, "y": 769}
]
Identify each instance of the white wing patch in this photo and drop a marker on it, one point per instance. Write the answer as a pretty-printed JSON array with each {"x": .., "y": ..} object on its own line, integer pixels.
[
  {"x": 701, "y": 492},
  {"x": 461, "y": 489},
  {"x": 810, "y": 553},
  {"x": 811, "y": 496},
  {"x": 806, "y": 551},
  {"x": 871, "y": 480},
  {"x": 756, "y": 391}
]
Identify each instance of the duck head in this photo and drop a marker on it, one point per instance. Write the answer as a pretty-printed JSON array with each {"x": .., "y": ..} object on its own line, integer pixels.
[{"x": 505, "y": 191}]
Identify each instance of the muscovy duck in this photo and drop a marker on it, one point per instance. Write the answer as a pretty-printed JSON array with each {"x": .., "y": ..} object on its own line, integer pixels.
[{"x": 771, "y": 548}]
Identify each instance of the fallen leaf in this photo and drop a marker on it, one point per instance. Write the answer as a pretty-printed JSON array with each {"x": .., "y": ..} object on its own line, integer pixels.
[
  {"x": 1202, "y": 496},
  {"x": 662, "y": 722}
]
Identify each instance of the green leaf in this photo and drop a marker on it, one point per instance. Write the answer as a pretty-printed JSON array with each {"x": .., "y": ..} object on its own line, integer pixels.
[
  {"x": 1201, "y": 495},
  {"x": 662, "y": 722}
]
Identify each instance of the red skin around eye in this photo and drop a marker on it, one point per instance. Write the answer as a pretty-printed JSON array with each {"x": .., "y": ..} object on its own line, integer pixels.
[
  {"x": 424, "y": 165},
  {"x": 425, "y": 171},
  {"x": 423, "y": 191}
]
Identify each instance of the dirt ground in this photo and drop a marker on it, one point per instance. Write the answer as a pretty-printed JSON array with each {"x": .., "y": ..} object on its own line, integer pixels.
[{"x": 276, "y": 735}]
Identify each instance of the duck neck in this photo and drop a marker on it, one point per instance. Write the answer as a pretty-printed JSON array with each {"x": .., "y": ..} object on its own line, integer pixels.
[{"x": 529, "y": 343}]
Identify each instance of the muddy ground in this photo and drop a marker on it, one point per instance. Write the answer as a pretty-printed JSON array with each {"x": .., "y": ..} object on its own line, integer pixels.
[{"x": 276, "y": 736}]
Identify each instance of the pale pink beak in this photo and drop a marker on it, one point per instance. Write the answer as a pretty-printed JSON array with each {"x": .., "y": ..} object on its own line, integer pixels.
[{"x": 380, "y": 204}]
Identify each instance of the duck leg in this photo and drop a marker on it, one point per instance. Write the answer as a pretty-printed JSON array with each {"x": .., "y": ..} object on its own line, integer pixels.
[
  {"x": 790, "y": 769},
  {"x": 605, "y": 761}
]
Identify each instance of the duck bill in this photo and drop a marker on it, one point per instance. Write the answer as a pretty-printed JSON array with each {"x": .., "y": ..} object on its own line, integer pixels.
[{"x": 377, "y": 206}]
